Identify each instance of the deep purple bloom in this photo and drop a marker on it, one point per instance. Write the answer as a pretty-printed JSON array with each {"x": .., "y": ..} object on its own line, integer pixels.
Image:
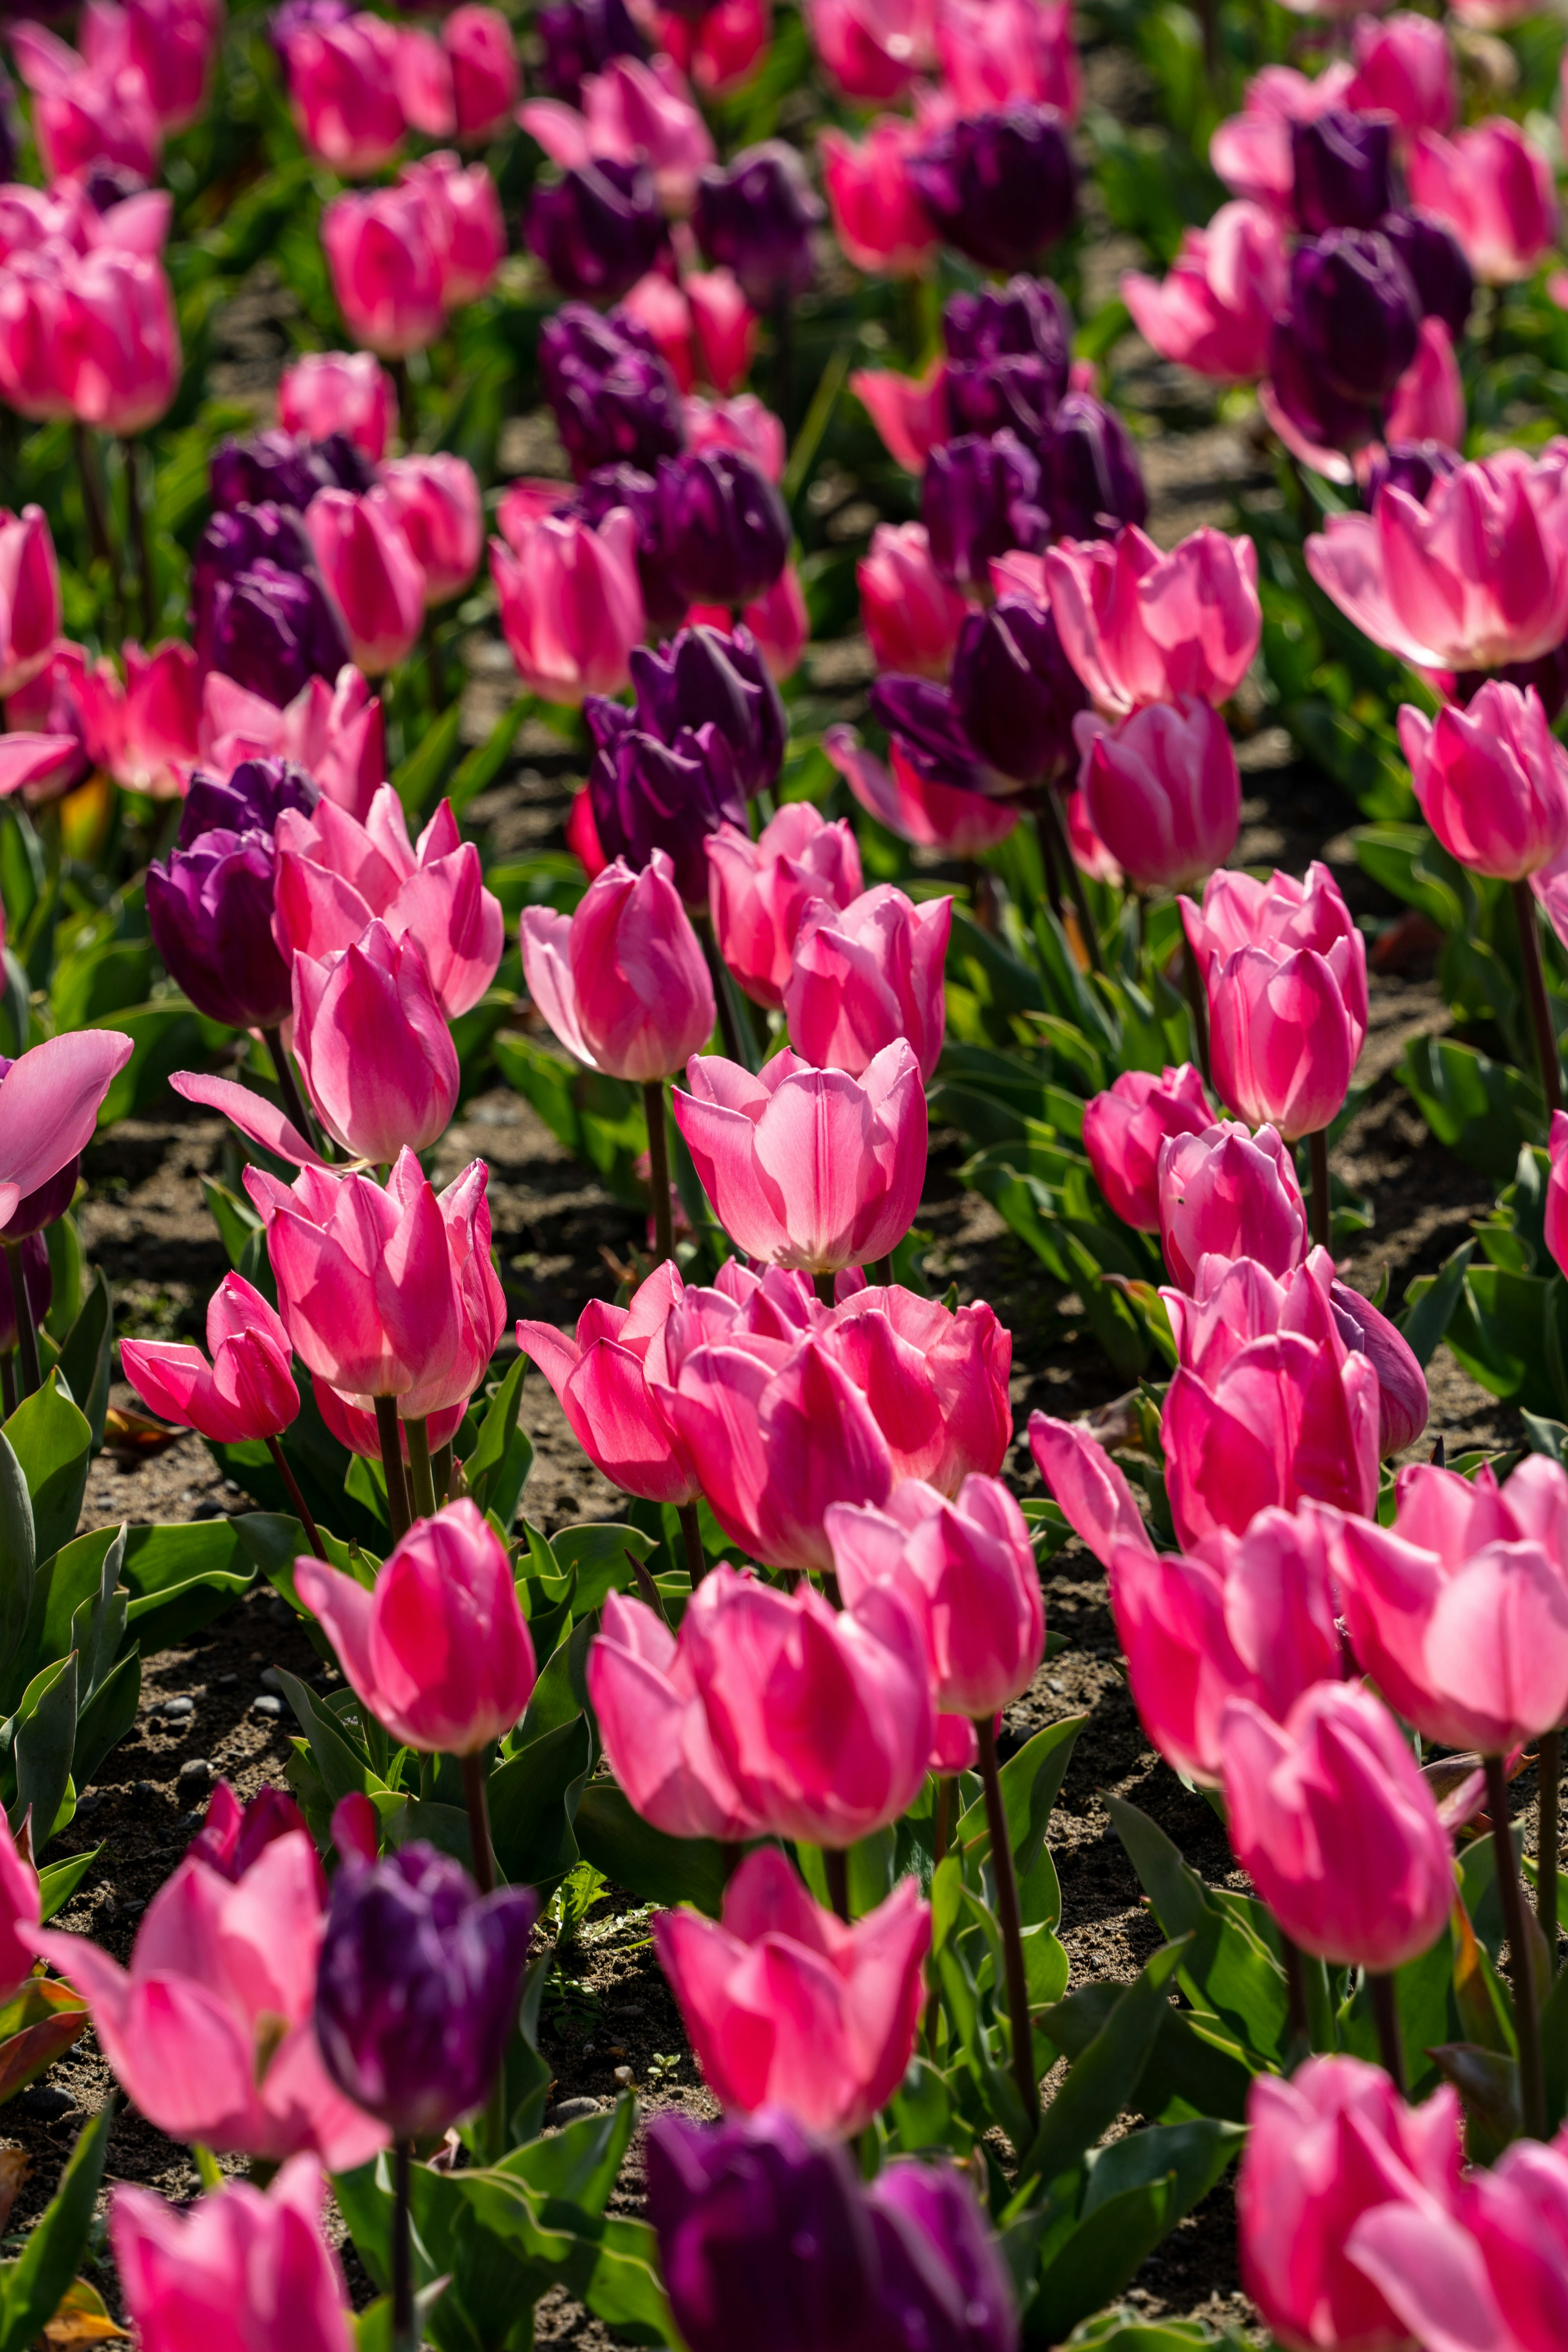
[
  {"x": 1354, "y": 313},
  {"x": 579, "y": 37},
  {"x": 646, "y": 795},
  {"x": 999, "y": 186},
  {"x": 285, "y": 469},
  {"x": 251, "y": 799},
  {"x": 608, "y": 487},
  {"x": 418, "y": 1987},
  {"x": 598, "y": 229},
  {"x": 1090, "y": 480},
  {"x": 1008, "y": 355},
  {"x": 259, "y": 612},
  {"x": 708, "y": 677},
  {"x": 1015, "y": 692},
  {"x": 1443, "y": 279},
  {"x": 232, "y": 1834},
  {"x": 724, "y": 528},
  {"x": 614, "y": 399},
  {"x": 1342, "y": 166},
  {"x": 1309, "y": 401},
  {"x": 925, "y": 718},
  {"x": 756, "y": 216},
  {"x": 210, "y": 914},
  {"x": 979, "y": 497},
  {"x": 1412, "y": 466},
  {"x": 40, "y": 1287}
]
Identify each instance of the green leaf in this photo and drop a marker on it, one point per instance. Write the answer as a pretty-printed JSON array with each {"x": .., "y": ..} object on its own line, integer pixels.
[
  {"x": 107, "y": 1718},
  {"x": 1480, "y": 1109},
  {"x": 580, "y": 2163},
  {"x": 497, "y": 1470},
  {"x": 87, "y": 1356},
  {"x": 41, "y": 1750},
  {"x": 647, "y": 1863},
  {"x": 342, "y": 1767},
  {"x": 53, "y": 1443},
  {"x": 1098, "y": 2258},
  {"x": 1102, "y": 2081},
  {"x": 17, "y": 1548},
  {"x": 59, "y": 1881},
  {"x": 1190, "y": 2071},
  {"x": 1196, "y": 2153},
  {"x": 1031, "y": 1781},
  {"x": 180, "y": 1578},
  {"x": 1228, "y": 1969},
  {"x": 32, "y": 2286},
  {"x": 1424, "y": 1322},
  {"x": 481, "y": 766},
  {"x": 599, "y": 1555},
  {"x": 533, "y": 1797},
  {"x": 561, "y": 1693},
  {"x": 416, "y": 778}
]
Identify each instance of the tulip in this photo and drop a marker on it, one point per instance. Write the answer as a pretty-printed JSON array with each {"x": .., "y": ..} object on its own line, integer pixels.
[
  {"x": 879, "y": 220},
  {"x": 384, "y": 252},
  {"x": 463, "y": 209},
  {"x": 1330, "y": 2143},
  {"x": 419, "y": 1987},
  {"x": 907, "y": 610},
  {"x": 1091, "y": 482},
  {"x": 49, "y": 1101},
  {"x": 1492, "y": 780},
  {"x": 1214, "y": 310},
  {"x": 579, "y": 37},
  {"x": 38, "y": 1288},
  {"x": 598, "y": 229},
  {"x": 32, "y": 300},
  {"x": 1435, "y": 259},
  {"x": 333, "y": 731},
  {"x": 866, "y": 974},
  {"x": 635, "y": 110},
  {"x": 86, "y": 113},
  {"x": 435, "y": 502},
  {"x": 1489, "y": 2273},
  {"x": 342, "y": 78},
  {"x": 117, "y": 360},
  {"x": 1249, "y": 1617},
  {"x": 1124, "y": 1127},
  {"x": 173, "y": 43},
  {"x": 722, "y": 526},
  {"x": 210, "y": 913},
  {"x": 371, "y": 573},
  {"x": 356, "y": 1428},
  {"x": 248, "y": 1391},
  {"x": 1008, "y": 353},
  {"x": 279, "y": 467},
  {"x": 29, "y": 596},
  {"x": 438, "y": 1651},
  {"x": 1015, "y": 690},
  {"x": 143, "y": 732},
  {"x": 613, "y": 398},
  {"x": 1222, "y": 1192},
  {"x": 1281, "y": 916},
  {"x": 1496, "y": 192},
  {"x": 708, "y": 674},
  {"x": 967, "y": 1569},
  {"x": 1557, "y": 1191},
  {"x": 978, "y": 499},
  {"x": 246, "y": 2271},
  {"x": 259, "y": 611},
  {"x": 1091, "y": 1491},
  {"x": 1429, "y": 402},
  {"x": 873, "y": 51},
  {"x": 936, "y": 1382},
  {"x": 232, "y": 1835},
  {"x": 998, "y": 185},
  {"x": 788, "y": 2008},
  {"x": 760, "y": 891},
  {"x": 1353, "y": 312},
  {"x": 1404, "y": 67},
  {"x": 655, "y": 1729},
  {"x": 602, "y": 1381},
  {"x": 647, "y": 796},
  {"x": 1142, "y": 626},
  {"x": 373, "y": 1044},
  {"x": 323, "y": 392},
  {"x": 1162, "y": 791},
  {"x": 994, "y": 50},
  {"x": 571, "y": 606},
  {"x": 724, "y": 327},
  {"x": 210, "y": 2030},
  {"x": 910, "y": 413},
  {"x": 1283, "y": 1039},
  {"x": 1341, "y": 163},
  {"x": 622, "y": 982},
  {"x": 485, "y": 76},
  {"x": 916, "y": 803},
  {"x": 755, "y": 216},
  {"x": 807, "y": 1167},
  {"x": 659, "y": 305},
  {"x": 1251, "y": 152}
]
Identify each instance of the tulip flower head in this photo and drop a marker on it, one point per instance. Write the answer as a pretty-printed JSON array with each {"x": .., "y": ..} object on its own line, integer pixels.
[
  {"x": 50, "y": 1097},
  {"x": 29, "y": 596},
  {"x": 651, "y": 1715},
  {"x": 910, "y": 614},
  {"x": 247, "y": 1391},
  {"x": 1162, "y": 791},
  {"x": 1139, "y": 625},
  {"x": 865, "y": 976},
  {"x": 1499, "y": 2258},
  {"x": 622, "y": 982},
  {"x": 1000, "y": 186},
  {"x": 1125, "y": 1126},
  {"x": 1226, "y": 1192},
  {"x": 571, "y": 603},
  {"x": 881, "y": 224},
  {"x": 1492, "y": 780},
  {"x": 373, "y": 1044},
  {"x": 189, "y": 2277},
  {"x": 606, "y": 1379},
  {"x": 1214, "y": 310},
  {"x": 1496, "y": 190},
  {"x": 322, "y": 393},
  {"x": 760, "y": 891}
]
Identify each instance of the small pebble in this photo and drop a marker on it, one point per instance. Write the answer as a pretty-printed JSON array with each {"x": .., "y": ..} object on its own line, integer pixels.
[
  {"x": 145, "y": 1788},
  {"x": 90, "y": 1802},
  {"x": 573, "y": 2111},
  {"x": 227, "y": 1681},
  {"x": 179, "y": 1707},
  {"x": 195, "y": 1768},
  {"x": 266, "y": 1705},
  {"x": 270, "y": 1679},
  {"x": 44, "y": 2105},
  {"x": 623, "y": 2074}
]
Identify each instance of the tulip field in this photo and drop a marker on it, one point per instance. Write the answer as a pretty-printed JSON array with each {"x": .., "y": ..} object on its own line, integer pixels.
[{"x": 783, "y": 1195}]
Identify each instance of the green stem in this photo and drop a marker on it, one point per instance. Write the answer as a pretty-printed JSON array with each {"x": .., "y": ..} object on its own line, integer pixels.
[
  {"x": 824, "y": 1283},
  {"x": 1385, "y": 2016},
  {"x": 28, "y": 1367},
  {"x": 441, "y": 1471},
  {"x": 421, "y": 1482},
  {"x": 939, "y": 1854},
  {"x": 301, "y": 1508},
  {"x": 1053, "y": 817},
  {"x": 130, "y": 451},
  {"x": 1317, "y": 1153},
  {"x": 1535, "y": 989},
  {"x": 1548, "y": 1838},
  {"x": 659, "y": 1170},
  {"x": 1197, "y": 1007},
  {"x": 836, "y": 1862},
  {"x": 691, "y": 1536},
  {"x": 718, "y": 971},
  {"x": 1526, "y": 2021},
  {"x": 101, "y": 538},
  {"x": 405, "y": 2329},
  {"x": 1007, "y": 1917},
  {"x": 399, "y": 1515},
  {"x": 492, "y": 2123},
  {"x": 1298, "y": 2025}
]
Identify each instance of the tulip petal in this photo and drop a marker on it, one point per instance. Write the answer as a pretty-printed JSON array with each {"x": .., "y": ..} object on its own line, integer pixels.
[{"x": 251, "y": 1113}]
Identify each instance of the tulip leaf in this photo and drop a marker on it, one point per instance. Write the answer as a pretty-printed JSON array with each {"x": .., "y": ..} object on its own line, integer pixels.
[
  {"x": 1489, "y": 2085},
  {"x": 609, "y": 2263},
  {"x": 561, "y": 1693},
  {"x": 1422, "y": 1990},
  {"x": 580, "y": 2163},
  {"x": 87, "y": 1356},
  {"x": 1191, "y": 2069},
  {"x": 416, "y": 780},
  {"x": 164, "y": 1035},
  {"x": 1102, "y": 2081},
  {"x": 1196, "y": 2153},
  {"x": 1432, "y": 1301},
  {"x": 42, "y": 1745},
  {"x": 533, "y": 1798},
  {"x": 67, "y": 1263},
  {"x": 648, "y": 1864},
  {"x": 107, "y": 1718},
  {"x": 1031, "y": 1781},
  {"x": 32, "y": 2287},
  {"x": 497, "y": 1470},
  {"x": 53, "y": 1443},
  {"x": 1480, "y": 1109},
  {"x": 180, "y": 1578},
  {"x": 1228, "y": 1968},
  {"x": 59, "y": 1881},
  {"x": 1092, "y": 2264},
  {"x": 17, "y": 1549},
  {"x": 601, "y": 1557},
  {"x": 342, "y": 1765}
]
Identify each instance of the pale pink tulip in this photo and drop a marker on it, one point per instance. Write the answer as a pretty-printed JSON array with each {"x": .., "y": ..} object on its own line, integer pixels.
[
  {"x": 1497, "y": 192},
  {"x": 759, "y": 891},
  {"x": 866, "y": 974},
  {"x": 571, "y": 605},
  {"x": 372, "y": 1045},
  {"x": 334, "y": 733},
  {"x": 1281, "y": 915},
  {"x": 243, "y": 2271},
  {"x": 1160, "y": 790},
  {"x": 654, "y": 1729},
  {"x": 1125, "y": 1126},
  {"x": 1214, "y": 312},
  {"x": 622, "y": 982},
  {"x": 1493, "y": 2273},
  {"x": 1283, "y": 1041},
  {"x": 908, "y": 611},
  {"x": 50, "y": 1097},
  {"x": 605, "y": 1379},
  {"x": 436, "y": 501},
  {"x": 1141, "y": 627},
  {"x": 339, "y": 392}
]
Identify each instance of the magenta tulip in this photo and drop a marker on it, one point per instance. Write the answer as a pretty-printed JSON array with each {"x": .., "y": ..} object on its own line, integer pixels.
[
  {"x": 1492, "y": 780},
  {"x": 247, "y": 1391},
  {"x": 623, "y": 982},
  {"x": 1497, "y": 192},
  {"x": 462, "y": 207},
  {"x": 436, "y": 501},
  {"x": 143, "y": 731},
  {"x": 50, "y": 1097},
  {"x": 485, "y": 73},
  {"x": 914, "y": 807},
  {"x": 1283, "y": 1042},
  {"x": 1493, "y": 2273},
  {"x": 909, "y": 613},
  {"x": 372, "y": 574},
  {"x": 935, "y": 1380},
  {"x": 29, "y": 596},
  {"x": 1227, "y": 1193},
  {"x": 1124, "y": 1127},
  {"x": 1557, "y": 1192},
  {"x": 865, "y": 975},
  {"x": 372, "y": 1045},
  {"x": 385, "y": 252},
  {"x": 759, "y": 891},
  {"x": 605, "y": 1379},
  {"x": 881, "y": 224},
  {"x": 910, "y": 413},
  {"x": 1280, "y": 916},
  {"x": 89, "y": 107},
  {"x": 993, "y": 50},
  {"x": 1403, "y": 67},
  {"x": 655, "y": 1728},
  {"x": 571, "y": 603},
  {"x": 248, "y": 2271},
  {"x": 1142, "y": 626},
  {"x": 1214, "y": 312},
  {"x": 1160, "y": 790},
  {"x": 339, "y": 392},
  {"x": 354, "y": 1425},
  {"x": 118, "y": 356},
  {"x": 342, "y": 78},
  {"x": 333, "y": 731},
  {"x": 1091, "y": 1491},
  {"x": 873, "y": 51}
]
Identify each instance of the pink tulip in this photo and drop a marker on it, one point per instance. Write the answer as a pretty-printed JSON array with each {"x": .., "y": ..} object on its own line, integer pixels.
[
  {"x": 822, "y": 1717},
  {"x": 438, "y": 1651},
  {"x": 1125, "y": 1126},
  {"x": 342, "y": 81},
  {"x": 880, "y": 221},
  {"x": 994, "y": 51},
  {"x": 334, "y": 733},
  {"x": 462, "y": 207},
  {"x": 807, "y": 1167},
  {"x": 435, "y": 501},
  {"x": 931, "y": 815},
  {"x": 1281, "y": 916},
  {"x": 335, "y": 874},
  {"x": 779, "y": 621},
  {"x": 866, "y": 974},
  {"x": 724, "y": 328},
  {"x": 1330, "y": 1818},
  {"x": 743, "y": 424},
  {"x": 19, "y": 1905},
  {"x": 1091, "y": 1491},
  {"x": 1249, "y": 1616},
  {"x": 86, "y": 113},
  {"x": 605, "y": 1379},
  {"x": 909, "y": 412},
  {"x": 1227, "y": 1193},
  {"x": 623, "y": 982},
  {"x": 385, "y": 251},
  {"x": 372, "y": 574},
  {"x": 1214, "y": 310},
  {"x": 1089, "y": 853},
  {"x": 485, "y": 74},
  {"x": 633, "y": 109},
  {"x": 660, "y": 304},
  {"x": 1490, "y": 2273},
  {"x": 422, "y": 78},
  {"x": 210, "y": 2031},
  {"x": 1404, "y": 67},
  {"x": 1427, "y": 404},
  {"x": 145, "y": 731},
  {"x": 1162, "y": 791},
  {"x": 1473, "y": 579},
  {"x": 759, "y": 891},
  {"x": 967, "y": 1569},
  {"x": 571, "y": 605},
  {"x": 32, "y": 300},
  {"x": 786, "y": 2007},
  {"x": 1251, "y": 152},
  {"x": 1557, "y": 1191},
  {"x": 354, "y": 1425},
  {"x": 1492, "y": 780},
  {"x": 1459, "y": 1610},
  {"x": 1283, "y": 1041},
  {"x": 873, "y": 48},
  {"x": 119, "y": 354},
  {"x": 1497, "y": 192},
  {"x": 172, "y": 41},
  {"x": 720, "y": 49},
  {"x": 908, "y": 611},
  {"x": 29, "y": 596},
  {"x": 339, "y": 392},
  {"x": 372, "y": 1045},
  {"x": 654, "y": 1729},
  {"x": 49, "y": 1100},
  {"x": 1142, "y": 626},
  {"x": 1330, "y": 2144},
  {"x": 935, "y": 1381},
  {"x": 244, "y": 2271},
  {"x": 247, "y": 1391}
]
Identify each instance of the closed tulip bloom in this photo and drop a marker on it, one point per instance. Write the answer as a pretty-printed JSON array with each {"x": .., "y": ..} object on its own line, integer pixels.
[
  {"x": 259, "y": 611},
  {"x": 1214, "y": 309},
  {"x": 760, "y": 891},
  {"x": 436, "y": 503},
  {"x": 1493, "y": 2272},
  {"x": 246, "y": 2271},
  {"x": 372, "y": 1045},
  {"x": 866, "y": 974},
  {"x": 1495, "y": 190},
  {"x": 119, "y": 355},
  {"x": 1015, "y": 692},
  {"x": 1162, "y": 790},
  {"x": 49, "y": 1100},
  {"x": 1142, "y": 626},
  {"x": 1022, "y": 48},
  {"x": 29, "y": 596},
  {"x": 1440, "y": 273},
  {"x": 247, "y": 1391},
  {"x": 724, "y": 327},
  {"x": 598, "y": 229},
  {"x": 908, "y": 611},
  {"x": 1000, "y": 185},
  {"x": 1090, "y": 480},
  {"x": 1284, "y": 1045},
  {"x": 86, "y": 111},
  {"x": 571, "y": 605},
  {"x": 372, "y": 574},
  {"x": 438, "y": 1651},
  {"x": 419, "y": 1987},
  {"x": 722, "y": 525},
  {"x": 978, "y": 499},
  {"x": 712, "y": 674},
  {"x": 32, "y": 299},
  {"x": 605, "y": 1379},
  {"x": 384, "y": 252},
  {"x": 1226, "y": 1192},
  {"x": 622, "y": 981},
  {"x": 647, "y": 795},
  {"x": 1341, "y": 162},
  {"x": 462, "y": 204},
  {"x": 343, "y": 90},
  {"x": 807, "y": 1167},
  {"x": 873, "y": 51},
  {"x": 937, "y": 1382},
  {"x": 612, "y": 395},
  {"x": 1557, "y": 1191},
  {"x": 322, "y": 393},
  {"x": 1008, "y": 358},
  {"x": 880, "y": 221},
  {"x": 1403, "y": 67},
  {"x": 1124, "y": 1127},
  {"x": 1492, "y": 780},
  {"x": 210, "y": 914},
  {"x": 1280, "y": 915},
  {"x": 485, "y": 73},
  {"x": 654, "y": 1729},
  {"x": 755, "y": 216}
]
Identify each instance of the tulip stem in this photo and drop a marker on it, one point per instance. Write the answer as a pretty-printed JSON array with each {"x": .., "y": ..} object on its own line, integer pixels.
[
  {"x": 824, "y": 1289},
  {"x": 1075, "y": 879},
  {"x": 1535, "y": 989},
  {"x": 28, "y": 1365},
  {"x": 294, "y": 1104},
  {"x": 8, "y": 1384},
  {"x": 1197, "y": 1007},
  {"x": 939, "y": 1855},
  {"x": 421, "y": 1480},
  {"x": 1318, "y": 1156},
  {"x": 100, "y": 537},
  {"x": 479, "y": 1821},
  {"x": 1385, "y": 2017},
  {"x": 130, "y": 451},
  {"x": 1548, "y": 1837},
  {"x": 783, "y": 357},
  {"x": 405, "y": 2334},
  {"x": 1007, "y": 1887},
  {"x": 659, "y": 1170},
  {"x": 441, "y": 1471},
  {"x": 691, "y": 1536},
  {"x": 301, "y": 1508},
  {"x": 836, "y": 1862},
  {"x": 719, "y": 972},
  {"x": 407, "y": 408},
  {"x": 1526, "y": 2021},
  {"x": 400, "y": 1517},
  {"x": 1298, "y": 2024},
  {"x": 882, "y": 1268}
]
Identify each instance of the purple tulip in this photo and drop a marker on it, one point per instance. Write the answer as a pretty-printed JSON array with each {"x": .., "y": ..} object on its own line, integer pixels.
[
  {"x": 1412, "y": 466},
  {"x": 35, "y": 1273},
  {"x": 1444, "y": 280},
  {"x": 608, "y": 487},
  {"x": 284, "y": 470},
  {"x": 647, "y": 795},
  {"x": 1008, "y": 355},
  {"x": 1354, "y": 313},
  {"x": 598, "y": 229},
  {"x": 251, "y": 799},
  {"x": 978, "y": 499},
  {"x": 1310, "y": 401},
  {"x": 259, "y": 612},
  {"x": 944, "y": 2275},
  {"x": 210, "y": 914},
  {"x": 1000, "y": 186},
  {"x": 756, "y": 216},
  {"x": 1015, "y": 692},
  {"x": 418, "y": 1987},
  {"x": 705, "y": 677},
  {"x": 579, "y": 37},
  {"x": 615, "y": 400},
  {"x": 1343, "y": 167},
  {"x": 295, "y": 16},
  {"x": 925, "y": 718},
  {"x": 1090, "y": 480},
  {"x": 724, "y": 528}
]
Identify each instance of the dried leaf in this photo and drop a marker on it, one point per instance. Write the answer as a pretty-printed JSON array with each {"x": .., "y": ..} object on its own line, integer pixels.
[
  {"x": 127, "y": 1431},
  {"x": 14, "y": 2165},
  {"x": 82, "y": 2319}
]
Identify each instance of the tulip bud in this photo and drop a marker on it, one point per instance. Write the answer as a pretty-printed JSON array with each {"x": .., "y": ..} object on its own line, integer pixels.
[
  {"x": 248, "y": 1391},
  {"x": 384, "y": 251},
  {"x": 1015, "y": 692},
  {"x": 118, "y": 359},
  {"x": 760, "y": 891},
  {"x": 232, "y": 1835},
  {"x": 1354, "y": 313},
  {"x": 866, "y": 974},
  {"x": 342, "y": 78},
  {"x": 1224, "y": 1193},
  {"x": 462, "y": 206},
  {"x": 1007, "y": 358},
  {"x": 210, "y": 913},
  {"x": 723, "y": 527},
  {"x": 928, "y": 734},
  {"x": 1492, "y": 781},
  {"x": 1341, "y": 163},
  {"x": 259, "y": 612},
  {"x": 1090, "y": 481},
  {"x": 373, "y": 1046},
  {"x": 881, "y": 222},
  {"x": 978, "y": 499},
  {"x": 1444, "y": 282},
  {"x": 279, "y": 467},
  {"x": 999, "y": 186},
  {"x": 485, "y": 76},
  {"x": 908, "y": 611},
  {"x": 1124, "y": 1127},
  {"x": 580, "y": 36},
  {"x": 436, "y": 503},
  {"x": 1283, "y": 1040},
  {"x": 713, "y": 676},
  {"x": 1162, "y": 790},
  {"x": 29, "y": 596},
  {"x": 598, "y": 229},
  {"x": 755, "y": 216},
  {"x": 323, "y": 392},
  {"x": 418, "y": 1987},
  {"x": 650, "y": 796},
  {"x": 571, "y": 605},
  {"x": 371, "y": 575},
  {"x": 613, "y": 398},
  {"x": 1403, "y": 67},
  {"x": 623, "y": 982}
]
